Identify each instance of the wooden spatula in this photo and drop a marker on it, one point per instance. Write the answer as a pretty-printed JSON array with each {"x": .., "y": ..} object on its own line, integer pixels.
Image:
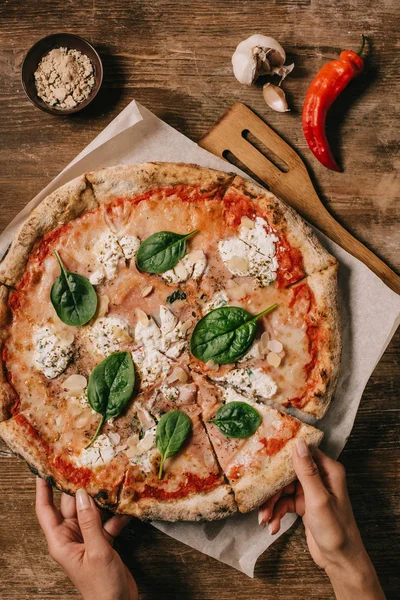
[{"x": 293, "y": 186}]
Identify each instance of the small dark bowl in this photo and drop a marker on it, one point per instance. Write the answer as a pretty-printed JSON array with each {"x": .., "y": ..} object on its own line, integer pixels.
[{"x": 35, "y": 55}]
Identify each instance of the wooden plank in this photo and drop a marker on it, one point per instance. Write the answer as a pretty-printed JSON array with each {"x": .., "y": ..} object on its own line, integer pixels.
[{"x": 174, "y": 57}]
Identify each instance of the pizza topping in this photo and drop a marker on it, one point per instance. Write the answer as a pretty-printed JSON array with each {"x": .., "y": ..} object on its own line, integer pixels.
[
  {"x": 130, "y": 245},
  {"x": 176, "y": 295},
  {"x": 102, "y": 306},
  {"x": 111, "y": 385},
  {"x": 192, "y": 266},
  {"x": 225, "y": 334},
  {"x": 177, "y": 375},
  {"x": 170, "y": 393},
  {"x": 219, "y": 299},
  {"x": 161, "y": 251},
  {"x": 172, "y": 430},
  {"x": 75, "y": 384},
  {"x": 157, "y": 345},
  {"x": 237, "y": 420},
  {"x": 73, "y": 297},
  {"x": 146, "y": 291},
  {"x": 109, "y": 255},
  {"x": 52, "y": 352},
  {"x": 253, "y": 252},
  {"x": 145, "y": 419},
  {"x": 275, "y": 346},
  {"x": 253, "y": 383},
  {"x": 101, "y": 452},
  {"x": 107, "y": 334},
  {"x": 274, "y": 359}
]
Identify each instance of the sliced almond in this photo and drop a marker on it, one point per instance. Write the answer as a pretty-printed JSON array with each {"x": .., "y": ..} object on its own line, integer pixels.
[
  {"x": 237, "y": 292},
  {"x": 275, "y": 346},
  {"x": 178, "y": 374},
  {"x": 212, "y": 366},
  {"x": 114, "y": 437},
  {"x": 142, "y": 317},
  {"x": 264, "y": 340},
  {"x": 274, "y": 359},
  {"x": 209, "y": 460},
  {"x": 146, "y": 291},
  {"x": 186, "y": 325},
  {"x": 181, "y": 271},
  {"x": 102, "y": 307},
  {"x": 67, "y": 336},
  {"x": 145, "y": 418},
  {"x": 83, "y": 420},
  {"x": 75, "y": 384},
  {"x": 146, "y": 443},
  {"x": 238, "y": 264},
  {"x": 248, "y": 223}
]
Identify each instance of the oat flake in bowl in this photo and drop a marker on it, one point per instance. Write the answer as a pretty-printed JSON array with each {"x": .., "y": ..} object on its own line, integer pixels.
[{"x": 64, "y": 78}]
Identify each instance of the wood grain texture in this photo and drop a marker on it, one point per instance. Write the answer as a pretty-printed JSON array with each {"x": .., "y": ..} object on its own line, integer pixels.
[{"x": 174, "y": 57}]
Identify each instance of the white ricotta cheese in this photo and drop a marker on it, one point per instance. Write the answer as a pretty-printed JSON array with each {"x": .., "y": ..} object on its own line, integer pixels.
[
  {"x": 191, "y": 265},
  {"x": 52, "y": 352},
  {"x": 130, "y": 245},
  {"x": 157, "y": 345},
  {"x": 253, "y": 383},
  {"x": 107, "y": 334},
  {"x": 255, "y": 250},
  {"x": 219, "y": 299},
  {"x": 101, "y": 452},
  {"x": 170, "y": 393}
]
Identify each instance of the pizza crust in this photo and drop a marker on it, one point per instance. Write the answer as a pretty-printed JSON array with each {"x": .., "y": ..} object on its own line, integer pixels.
[
  {"x": 128, "y": 181},
  {"x": 298, "y": 233},
  {"x": 254, "y": 488},
  {"x": 216, "y": 504},
  {"x": 7, "y": 395},
  {"x": 63, "y": 205},
  {"x": 324, "y": 288}
]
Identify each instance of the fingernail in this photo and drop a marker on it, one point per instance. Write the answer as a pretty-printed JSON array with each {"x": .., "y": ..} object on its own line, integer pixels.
[
  {"x": 270, "y": 529},
  {"x": 302, "y": 448},
  {"x": 82, "y": 500},
  {"x": 260, "y": 520}
]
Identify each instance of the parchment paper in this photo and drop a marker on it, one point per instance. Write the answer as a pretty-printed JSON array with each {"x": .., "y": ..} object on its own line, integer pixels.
[{"x": 370, "y": 314}]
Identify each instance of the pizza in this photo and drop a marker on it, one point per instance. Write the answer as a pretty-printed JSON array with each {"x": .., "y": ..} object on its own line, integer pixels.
[{"x": 159, "y": 323}]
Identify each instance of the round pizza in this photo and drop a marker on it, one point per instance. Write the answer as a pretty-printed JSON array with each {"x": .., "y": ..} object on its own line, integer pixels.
[{"x": 157, "y": 323}]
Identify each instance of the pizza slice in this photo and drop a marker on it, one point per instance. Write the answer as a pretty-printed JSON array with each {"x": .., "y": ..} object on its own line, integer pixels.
[
  {"x": 191, "y": 486},
  {"x": 261, "y": 464}
]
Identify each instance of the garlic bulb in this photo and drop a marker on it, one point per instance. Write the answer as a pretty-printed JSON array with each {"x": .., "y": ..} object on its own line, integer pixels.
[
  {"x": 259, "y": 55},
  {"x": 275, "y": 97}
]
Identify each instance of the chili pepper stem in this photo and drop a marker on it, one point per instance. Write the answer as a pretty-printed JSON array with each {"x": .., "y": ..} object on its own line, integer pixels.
[{"x": 362, "y": 44}]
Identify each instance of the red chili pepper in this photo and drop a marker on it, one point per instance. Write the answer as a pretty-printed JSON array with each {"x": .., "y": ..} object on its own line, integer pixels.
[{"x": 323, "y": 91}]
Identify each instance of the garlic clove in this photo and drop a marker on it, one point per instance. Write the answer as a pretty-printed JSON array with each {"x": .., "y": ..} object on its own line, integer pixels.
[
  {"x": 275, "y": 97},
  {"x": 255, "y": 56},
  {"x": 283, "y": 71}
]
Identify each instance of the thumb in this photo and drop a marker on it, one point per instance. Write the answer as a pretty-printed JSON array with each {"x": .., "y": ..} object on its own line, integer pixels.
[
  {"x": 89, "y": 522},
  {"x": 307, "y": 472}
]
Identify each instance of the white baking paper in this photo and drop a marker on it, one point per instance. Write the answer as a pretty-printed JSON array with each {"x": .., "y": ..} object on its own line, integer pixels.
[{"x": 370, "y": 314}]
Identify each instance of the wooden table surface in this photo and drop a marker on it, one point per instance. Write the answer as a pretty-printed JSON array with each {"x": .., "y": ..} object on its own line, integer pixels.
[{"x": 174, "y": 57}]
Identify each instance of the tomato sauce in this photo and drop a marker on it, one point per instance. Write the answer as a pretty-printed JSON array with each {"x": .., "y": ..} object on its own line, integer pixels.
[
  {"x": 186, "y": 193},
  {"x": 193, "y": 483},
  {"x": 290, "y": 261},
  {"x": 31, "y": 432},
  {"x": 77, "y": 475},
  {"x": 272, "y": 445}
]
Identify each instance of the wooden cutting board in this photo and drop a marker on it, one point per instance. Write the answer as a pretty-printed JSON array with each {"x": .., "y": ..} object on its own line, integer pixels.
[{"x": 292, "y": 184}]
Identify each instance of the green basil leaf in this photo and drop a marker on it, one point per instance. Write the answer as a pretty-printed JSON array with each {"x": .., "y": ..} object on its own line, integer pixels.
[
  {"x": 73, "y": 297},
  {"x": 225, "y": 334},
  {"x": 161, "y": 251},
  {"x": 172, "y": 430},
  {"x": 110, "y": 387},
  {"x": 176, "y": 295},
  {"x": 237, "y": 420}
]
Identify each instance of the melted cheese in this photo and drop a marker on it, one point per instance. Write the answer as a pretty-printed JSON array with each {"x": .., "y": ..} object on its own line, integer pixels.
[
  {"x": 52, "y": 352},
  {"x": 101, "y": 452},
  {"x": 256, "y": 250}
]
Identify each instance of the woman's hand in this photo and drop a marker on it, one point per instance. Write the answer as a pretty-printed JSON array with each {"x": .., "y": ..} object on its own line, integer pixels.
[
  {"x": 82, "y": 545},
  {"x": 320, "y": 497}
]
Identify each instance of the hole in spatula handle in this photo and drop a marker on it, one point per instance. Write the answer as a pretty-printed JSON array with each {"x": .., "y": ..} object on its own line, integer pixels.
[
  {"x": 265, "y": 151},
  {"x": 230, "y": 157}
]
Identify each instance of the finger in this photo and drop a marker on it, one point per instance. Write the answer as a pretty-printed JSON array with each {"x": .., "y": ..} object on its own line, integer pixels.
[
  {"x": 307, "y": 472},
  {"x": 90, "y": 523},
  {"x": 116, "y": 524},
  {"x": 289, "y": 489},
  {"x": 47, "y": 514},
  {"x": 332, "y": 472},
  {"x": 283, "y": 506},
  {"x": 68, "y": 506},
  {"x": 265, "y": 511}
]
